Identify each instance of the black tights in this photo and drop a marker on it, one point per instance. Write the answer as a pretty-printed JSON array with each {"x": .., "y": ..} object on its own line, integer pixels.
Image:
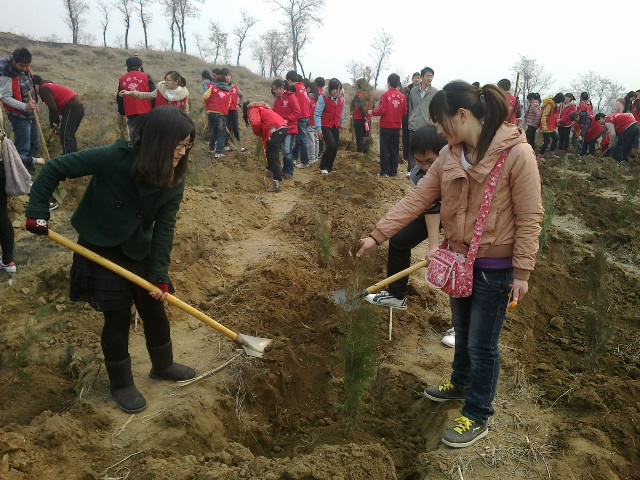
[
  {"x": 6, "y": 229},
  {"x": 115, "y": 332}
]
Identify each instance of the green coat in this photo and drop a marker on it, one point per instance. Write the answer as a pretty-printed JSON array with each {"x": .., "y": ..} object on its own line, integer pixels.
[{"x": 114, "y": 210}]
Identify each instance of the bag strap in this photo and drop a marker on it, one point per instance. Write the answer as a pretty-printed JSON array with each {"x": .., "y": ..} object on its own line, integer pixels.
[{"x": 484, "y": 208}]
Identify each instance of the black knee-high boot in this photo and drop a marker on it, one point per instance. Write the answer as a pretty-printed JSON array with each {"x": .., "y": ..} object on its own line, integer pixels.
[
  {"x": 123, "y": 390},
  {"x": 164, "y": 368}
]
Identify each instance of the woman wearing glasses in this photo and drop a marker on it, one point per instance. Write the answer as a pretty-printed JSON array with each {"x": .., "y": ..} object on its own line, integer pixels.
[{"x": 127, "y": 215}]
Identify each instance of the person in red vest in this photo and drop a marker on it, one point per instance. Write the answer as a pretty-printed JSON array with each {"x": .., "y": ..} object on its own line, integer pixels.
[
  {"x": 564, "y": 121},
  {"x": 232, "y": 119},
  {"x": 591, "y": 128},
  {"x": 393, "y": 106},
  {"x": 170, "y": 91},
  {"x": 135, "y": 80},
  {"x": 65, "y": 111},
  {"x": 286, "y": 105},
  {"x": 16, "y": 84},
  {"x": 515, "y": 109},
  {"x": 624, "y": 131},
  {"x": 217, "y": 100},
  {"x": 294, "y": 80},
  {"x": 272, "y": 129},
  {"x": 362, "y": 102},
  {"x": 548, "y": 124},
  {"x": 329, "y": 117}
]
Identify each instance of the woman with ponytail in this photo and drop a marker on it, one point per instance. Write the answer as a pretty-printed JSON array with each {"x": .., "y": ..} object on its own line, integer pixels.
[
  {"x": 171, "y": 91},
  {"x": 479, "y": 146}
]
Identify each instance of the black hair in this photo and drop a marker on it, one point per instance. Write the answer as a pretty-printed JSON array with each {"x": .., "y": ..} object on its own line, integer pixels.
[
  {"x": 300, "y": 78},
  {"x": 133, "y": 63},
  {"x": 426, "y": 70},
  {"x": 584, "y": 96},
  {"x": 362, "y": 84},
  {"x": 292, "y": 76},
  {"x": 221, "y": 78},
  {"x": 627, "y": 101},
  {"x": 216, "y": 71},
  {"x": 476, "y": 84},
  {"x": 427, "y": 139},
  {"x": 291, "y": 88},
  {"x": 176, "y": 76},
  {"x": 245, "y": 112},
  {"x": 225, "y": 71},
  {"x": 154, "y": 138},
  {"x": 393, "y": 80},
  {"x": 534, "y": 96},
  {"x": 38, "y": 80},
  {"x": 206, "y": 75},
  {"x": 574, "y": 116},
  {"x": 319, "y": 81},
  {"x": 334, "y": 84},
  {"x": 570, "y": 95},
  {"x": 278, "y": 83},
  {"x": 415, "y": 74},
  {"x": 487, "y": 104},
  {"x": 505, "y": 84},
  {"x": 314, "y": 91},
  {"x": 600, "y": 116},
  {"x": 22, "y": 55}
]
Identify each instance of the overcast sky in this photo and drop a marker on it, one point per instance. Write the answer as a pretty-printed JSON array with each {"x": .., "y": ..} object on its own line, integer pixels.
[{"x": 471, "y": 40}]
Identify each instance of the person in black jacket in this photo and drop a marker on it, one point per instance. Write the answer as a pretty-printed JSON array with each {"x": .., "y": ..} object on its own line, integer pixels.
[{"x": 127, "y": 215}]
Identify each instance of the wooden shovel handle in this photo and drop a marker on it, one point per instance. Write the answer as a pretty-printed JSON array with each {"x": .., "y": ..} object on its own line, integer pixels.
[
  {"x": 407, "y": 271},
  {"x": 141, "y": 282}
]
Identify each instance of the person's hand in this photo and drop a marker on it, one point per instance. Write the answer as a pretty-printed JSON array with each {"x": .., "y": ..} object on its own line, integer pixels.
[
  {"x": 369, "y": 112},
  {"x": 431, "y": 252},
  {"x": 161, "y": 296},
  {"x": 319, "y": 134},
  {"x": 39, "y": 160},
  {"x": 31, "y": 105},
  {"x": 39, "y": 226},
  {"x": 520, "y": 289},
  {"x": 122, "y": 93},
  {"x": 366, "y": 244}
]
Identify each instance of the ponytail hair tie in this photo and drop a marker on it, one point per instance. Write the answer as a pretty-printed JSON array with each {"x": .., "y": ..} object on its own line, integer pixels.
[{"x": 480, "y": 92}]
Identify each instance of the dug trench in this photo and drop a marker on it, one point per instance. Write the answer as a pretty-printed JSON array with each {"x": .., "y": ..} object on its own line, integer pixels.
[{"x": 259, "y": 264}]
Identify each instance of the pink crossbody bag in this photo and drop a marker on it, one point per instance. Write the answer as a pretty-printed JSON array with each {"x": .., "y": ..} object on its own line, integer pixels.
[{"x": 452, "y": 272}]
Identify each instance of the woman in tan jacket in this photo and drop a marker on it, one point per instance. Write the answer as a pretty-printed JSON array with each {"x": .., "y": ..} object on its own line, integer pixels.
[{"x": 471, "y": 119}]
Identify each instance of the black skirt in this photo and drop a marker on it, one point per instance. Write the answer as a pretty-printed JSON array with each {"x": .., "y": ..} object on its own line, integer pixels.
[{"x": 101, "y": 288}]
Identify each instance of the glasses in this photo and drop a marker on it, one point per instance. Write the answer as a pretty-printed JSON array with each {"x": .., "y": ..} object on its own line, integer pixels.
[{"x": 184, "y": 146}]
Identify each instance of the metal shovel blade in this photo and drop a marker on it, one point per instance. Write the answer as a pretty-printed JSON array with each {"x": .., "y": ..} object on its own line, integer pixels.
[
  {"x": 347, "y": 299},
  {"x": 253, "y": 346}
]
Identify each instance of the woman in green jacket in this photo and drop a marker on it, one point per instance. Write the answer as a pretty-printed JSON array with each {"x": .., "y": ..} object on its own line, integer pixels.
[{"x": 127, "y": 215}]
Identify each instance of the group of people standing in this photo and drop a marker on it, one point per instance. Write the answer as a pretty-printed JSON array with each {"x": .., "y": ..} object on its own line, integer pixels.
[{"x": 564, "y": 123}]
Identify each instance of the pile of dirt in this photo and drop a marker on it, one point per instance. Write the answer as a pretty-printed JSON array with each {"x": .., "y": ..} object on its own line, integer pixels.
[{"x": 255, "y": 262}]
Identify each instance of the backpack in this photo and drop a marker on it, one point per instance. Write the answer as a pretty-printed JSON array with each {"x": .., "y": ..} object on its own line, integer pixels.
[{"x": 17, "y": 177}]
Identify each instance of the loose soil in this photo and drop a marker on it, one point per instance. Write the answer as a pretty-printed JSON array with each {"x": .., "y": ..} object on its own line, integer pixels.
[{"x": 251, "y": 261}]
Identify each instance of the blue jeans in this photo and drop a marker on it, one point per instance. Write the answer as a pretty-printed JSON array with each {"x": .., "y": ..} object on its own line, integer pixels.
[
  {"x": 27, "y": 138},
  {"x": 478, "y": 320},
  {"x": 301, "y": 146},
  {"x": 287, "y": 149},
  {"x": 217, "y": 131}
]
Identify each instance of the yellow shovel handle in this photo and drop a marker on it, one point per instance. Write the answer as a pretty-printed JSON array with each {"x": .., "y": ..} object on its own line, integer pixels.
[
  {"x": 387, "y": 281},
  {"x": 141, "y": 282}
]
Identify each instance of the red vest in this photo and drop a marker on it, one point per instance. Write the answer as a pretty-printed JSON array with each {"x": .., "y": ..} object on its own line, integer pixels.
[
  {"x": 594, "y": 130},
  {"x": 288, "y": 108},
  {"x": 264, "y": 122},
  {"x": 18, "y": 95},
  {"x": 135, "y": 82},
  {"x": 61, "y": 95},
  {"x": 565, "y": 115},
  {"x": 312, "y": 111},
  {"x": 303, "y": 99},
  {"x": 365, "y": 101},
  {"x": 585, "y": 107},
  {"x": 219, "y": 100},
  {"x": 181, "y": 104},
  {"x": 620, "y": 121},
  {"x": 235, "y": 96},
  {"x": 513, "y": 108},
  {"x": 332, "y": 113}
]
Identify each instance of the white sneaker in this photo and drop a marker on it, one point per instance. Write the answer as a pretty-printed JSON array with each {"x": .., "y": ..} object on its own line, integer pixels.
[
  {"x": 324, "y": 172},
  {"x": 449, "y": 338},
  {"x": 384, "y": 299},
  {"x": 8, "y": 267},
  {"x": 227, "y": 148}
]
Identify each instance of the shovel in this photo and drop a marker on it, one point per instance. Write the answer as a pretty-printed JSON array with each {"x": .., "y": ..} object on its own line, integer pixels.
[
  {"x": 340, "y": 296},
  {"x": 252, "y": 346}
]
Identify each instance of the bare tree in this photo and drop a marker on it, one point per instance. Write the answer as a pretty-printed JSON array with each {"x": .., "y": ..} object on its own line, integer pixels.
[
  {"x": 185, "y": 9},
  {"x": 105, "y": 9},
  {"x": 75, "y": 9},
  {"x": 145, "y": 19},
  {"x": 218, "y": 40},
  {"x": 533, "y": 78},
  {"x": 171, "y": 13},
  {"x": 381, "y": 52},
  {"x": 125, "y": 7},
  {"x": 203, "y": 49},
  {"x": 241, "y": 31},
  {"x": 260, "y": 55},
  {"x": 359, "y": 70},
  {"x": 276, "y": 51},
  {"x": 602, "y": 90},
  {"x": 300, "y": 15}
]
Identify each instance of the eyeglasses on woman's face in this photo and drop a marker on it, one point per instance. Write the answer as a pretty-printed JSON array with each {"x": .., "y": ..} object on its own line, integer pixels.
[{"x": 184, "y": 146}]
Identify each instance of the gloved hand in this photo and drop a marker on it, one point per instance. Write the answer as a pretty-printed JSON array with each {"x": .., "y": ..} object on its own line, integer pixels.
[
  {"x": 164, "y": 287},
  {"x": 39, "y": 226},
  {"x": 161, "y": 297}
]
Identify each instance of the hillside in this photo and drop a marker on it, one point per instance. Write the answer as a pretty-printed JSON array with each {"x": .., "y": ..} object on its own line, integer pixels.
[{"x": 257, "y": 263}]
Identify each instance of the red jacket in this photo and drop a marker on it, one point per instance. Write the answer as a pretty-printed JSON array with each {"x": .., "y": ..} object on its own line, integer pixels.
[
  {"x": 303, "y": 100},
  {"x": 135, "y": 82},
  {"x": 181, "y": 104},
  {"x": 594, "y": 130},
  {"x": 288, "y": 108},
  {"x": 620, "y": 121},
  {"x": 312, "y": 111},
  {"x": 635, "y": 109},
  {"x": 585, "y": 107},
  {"x": 218, "y": 101},
  {"x": 61, "y": 95},
  {"x": 235, "y": 96},
  {"x": 393, "y": 106},
  {"x": 514, "y": 106},
  {"x": 332, "y": 113},
  {"x": 565, "y": 114},
  {"x": 264, "y": 121},
  {"x": 365, "y": 100}
]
